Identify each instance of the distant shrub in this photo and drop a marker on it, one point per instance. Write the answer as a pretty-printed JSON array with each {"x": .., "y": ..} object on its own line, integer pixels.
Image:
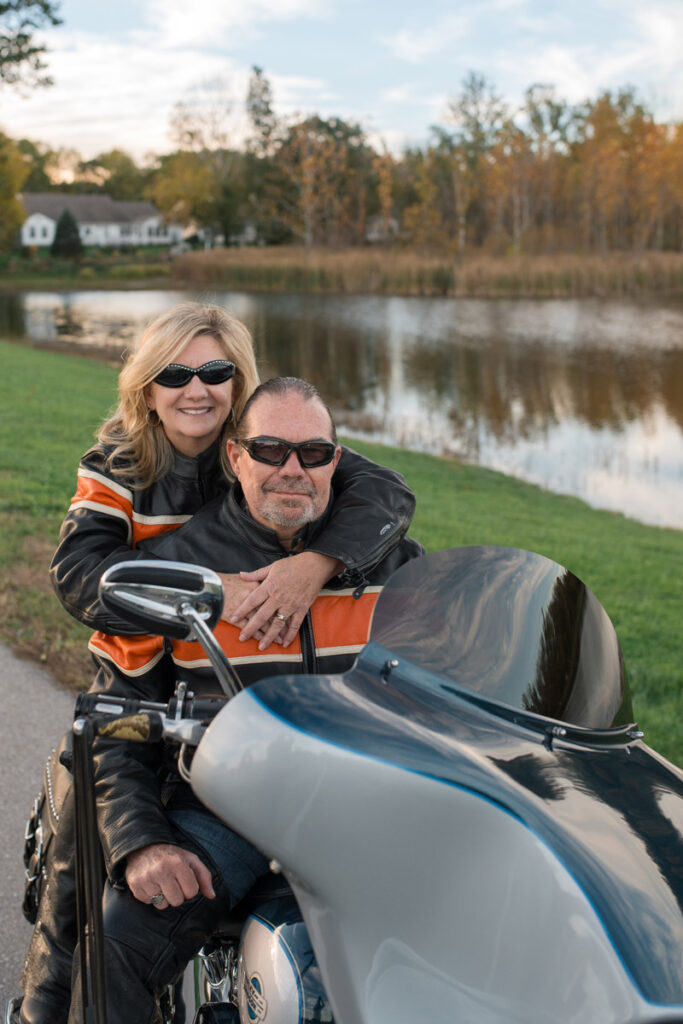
[{"x": 138, "y": 271}]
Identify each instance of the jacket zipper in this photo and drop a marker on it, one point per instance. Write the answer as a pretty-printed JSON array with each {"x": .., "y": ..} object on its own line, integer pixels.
[{"x": 307, "y": 640}]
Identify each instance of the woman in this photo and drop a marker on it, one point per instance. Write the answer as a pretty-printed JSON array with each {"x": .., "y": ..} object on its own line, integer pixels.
[{"x": 160, "y": 458}]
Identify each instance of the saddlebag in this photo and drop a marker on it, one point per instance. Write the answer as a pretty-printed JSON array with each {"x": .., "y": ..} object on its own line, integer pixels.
[{"x": 43, "y": 823}]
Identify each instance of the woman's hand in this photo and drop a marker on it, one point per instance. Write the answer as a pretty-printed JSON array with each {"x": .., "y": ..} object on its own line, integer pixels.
[{"x": 288, "y": 587}]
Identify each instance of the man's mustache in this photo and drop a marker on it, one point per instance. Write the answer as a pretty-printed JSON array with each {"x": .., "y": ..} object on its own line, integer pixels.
[{"x": 291, "y": 484}]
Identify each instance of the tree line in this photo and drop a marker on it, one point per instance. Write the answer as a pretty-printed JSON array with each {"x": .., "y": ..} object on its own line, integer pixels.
[{"x": 546, "y": 178}]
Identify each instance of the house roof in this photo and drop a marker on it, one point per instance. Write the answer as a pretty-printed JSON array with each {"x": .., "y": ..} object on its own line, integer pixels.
[{"x": 87, "y": 208}]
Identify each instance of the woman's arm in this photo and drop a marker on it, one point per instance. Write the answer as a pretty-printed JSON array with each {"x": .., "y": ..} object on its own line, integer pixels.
[
  {"x": 97, "y": 532},
  {"x": 373, "y": 508}
]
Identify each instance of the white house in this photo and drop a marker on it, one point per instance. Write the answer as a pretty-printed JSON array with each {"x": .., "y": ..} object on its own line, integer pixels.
[{"x": 102, "y": 221}]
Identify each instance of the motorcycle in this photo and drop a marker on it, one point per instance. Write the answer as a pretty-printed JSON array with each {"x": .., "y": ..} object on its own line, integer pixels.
[{"x": 465, "y": 826}]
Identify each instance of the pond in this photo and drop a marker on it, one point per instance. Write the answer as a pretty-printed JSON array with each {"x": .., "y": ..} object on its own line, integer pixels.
[{"x": 583, "y": 397}]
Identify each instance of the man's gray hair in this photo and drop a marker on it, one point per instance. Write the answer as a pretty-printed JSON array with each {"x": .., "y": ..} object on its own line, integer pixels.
[{"x": 283, "y": 386}]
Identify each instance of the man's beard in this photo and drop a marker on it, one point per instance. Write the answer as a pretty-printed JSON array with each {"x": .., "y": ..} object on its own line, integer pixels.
[{"x": 275, "y": 510}]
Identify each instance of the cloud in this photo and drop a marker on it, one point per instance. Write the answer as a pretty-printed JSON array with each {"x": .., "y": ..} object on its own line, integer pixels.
[
  {"x": 645, "y": 53},
  {"x": 131, "y": 91},
  {"x": 108, "y": 93},
  {"x": 177, "y": 23},
  {"x": 416, "y": 45},
  {"x": 119, "y": 89},
  {"x": 432, "y": 35},
  {"x": 398, "y": 94},
  {"x": 301, "y": 94}
]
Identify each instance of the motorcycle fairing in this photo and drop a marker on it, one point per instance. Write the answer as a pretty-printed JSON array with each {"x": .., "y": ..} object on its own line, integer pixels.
[
  {"x": 436, "y": 898},
  {"x": 436, "y": 827}
]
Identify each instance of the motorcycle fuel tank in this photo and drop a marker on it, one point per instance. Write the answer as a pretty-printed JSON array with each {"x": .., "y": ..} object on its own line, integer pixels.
[{"x": 278, "y": 979}]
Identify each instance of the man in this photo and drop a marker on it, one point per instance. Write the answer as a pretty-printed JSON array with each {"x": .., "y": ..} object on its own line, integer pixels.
[{"x": 174, "y": 867}]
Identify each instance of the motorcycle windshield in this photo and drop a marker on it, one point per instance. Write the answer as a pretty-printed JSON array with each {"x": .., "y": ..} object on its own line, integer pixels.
[{"x": 515, "y": 627}]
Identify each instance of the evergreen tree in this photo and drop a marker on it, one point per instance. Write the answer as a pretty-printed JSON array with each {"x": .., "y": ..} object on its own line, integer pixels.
[
  {"x": 260, "y": 113},
  {"x": 67, "y": 238}
]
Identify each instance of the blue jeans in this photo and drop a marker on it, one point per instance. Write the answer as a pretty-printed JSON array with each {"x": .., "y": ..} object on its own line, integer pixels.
[{"x": 240, "y": 864}]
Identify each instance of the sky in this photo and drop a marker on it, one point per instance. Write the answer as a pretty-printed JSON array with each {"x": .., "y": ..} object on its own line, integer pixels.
[{"x": 120, "y": 66}]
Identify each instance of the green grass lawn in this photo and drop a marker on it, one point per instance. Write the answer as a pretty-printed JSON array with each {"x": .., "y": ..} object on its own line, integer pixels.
[{"x": 52, "y": 404}]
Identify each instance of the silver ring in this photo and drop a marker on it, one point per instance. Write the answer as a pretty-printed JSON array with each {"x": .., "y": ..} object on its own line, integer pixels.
[
  {"x": 281, "y": 617},
  {"x": 157, "y": 900}
]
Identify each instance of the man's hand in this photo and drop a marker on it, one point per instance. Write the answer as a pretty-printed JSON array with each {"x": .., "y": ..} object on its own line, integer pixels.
[
  {"x": 235, "y": 593},
  {"x": 288, "y": 587},
  {"x": 171, "y": 871}
]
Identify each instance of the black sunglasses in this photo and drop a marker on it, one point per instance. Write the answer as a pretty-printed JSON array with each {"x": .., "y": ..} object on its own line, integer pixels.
[
  {"x": 176, "y": 375},
  {"x": 275, "y": 452}
]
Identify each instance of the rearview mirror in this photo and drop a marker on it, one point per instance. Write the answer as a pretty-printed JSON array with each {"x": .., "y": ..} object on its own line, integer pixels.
[{"x": 150, "y": 594}]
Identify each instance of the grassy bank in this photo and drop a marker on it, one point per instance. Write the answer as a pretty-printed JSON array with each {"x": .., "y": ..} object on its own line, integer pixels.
[
  {"x": 398, "y": 271},
  {"x": 51, "y": 404},
  {"x": 148, "y": 268},
  {"x": 375, "y": 271}
]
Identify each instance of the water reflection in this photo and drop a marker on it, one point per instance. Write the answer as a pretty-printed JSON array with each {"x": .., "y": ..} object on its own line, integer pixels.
[{"x": 581, "y": 396}]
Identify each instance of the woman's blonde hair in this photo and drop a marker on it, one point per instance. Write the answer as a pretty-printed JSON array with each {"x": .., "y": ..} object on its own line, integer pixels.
[{"x": 141, "y": 449}]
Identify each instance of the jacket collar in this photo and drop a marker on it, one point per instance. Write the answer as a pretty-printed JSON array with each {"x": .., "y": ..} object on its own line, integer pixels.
[
  {"x": 235, "y": 514},
  {"x": 192, "y": 467}
]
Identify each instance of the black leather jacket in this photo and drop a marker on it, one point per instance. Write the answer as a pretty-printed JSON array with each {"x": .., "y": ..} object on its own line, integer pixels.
[
  {"x": 111, "y": 521},
  {"x": 224, "y": 536}
]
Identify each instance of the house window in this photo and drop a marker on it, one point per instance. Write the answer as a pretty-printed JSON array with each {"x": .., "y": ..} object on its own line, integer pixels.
[
  {"x": 44, "y": 232},
  {"x": 32, "y": 232}
]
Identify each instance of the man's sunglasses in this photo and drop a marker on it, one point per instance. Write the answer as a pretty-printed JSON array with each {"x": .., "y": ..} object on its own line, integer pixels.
[
  {"x": 275, "y": 452},
  {"x": 177, "y": 376}
]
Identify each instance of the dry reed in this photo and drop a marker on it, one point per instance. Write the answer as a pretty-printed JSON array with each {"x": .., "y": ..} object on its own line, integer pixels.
[{"x": 397, "y": 271}]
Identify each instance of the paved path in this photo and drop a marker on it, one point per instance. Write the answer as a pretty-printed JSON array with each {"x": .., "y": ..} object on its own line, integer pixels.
[{"x": 36, "y": 711}]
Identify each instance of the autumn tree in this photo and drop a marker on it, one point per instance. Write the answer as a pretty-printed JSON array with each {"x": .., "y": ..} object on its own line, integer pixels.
[
  {"x": 383, "y": 165},
  {"x": 36, "y": 157},
  {"x": 21, "y": 54},
  {"x": 324, "y": 169},
  {"x": 549, "y": 123},
  {"x": 182, "y": 189},
  {"x": 477, "y": 116},
  {"x": 425, "y": 219},
  {"x": 602, "y": 173},
  {"x": 13, "y": 172},
  {"x": 116, "y": 173},
  {"x": 654, "y": 171},
  {"x": 457, "y": 160},
  {"x": 509, "y": 178},
  {"x": 204, "y": 126}
]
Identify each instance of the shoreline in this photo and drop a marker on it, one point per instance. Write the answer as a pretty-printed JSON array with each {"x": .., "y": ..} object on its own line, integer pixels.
[{"x": 385, "y": 271}]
